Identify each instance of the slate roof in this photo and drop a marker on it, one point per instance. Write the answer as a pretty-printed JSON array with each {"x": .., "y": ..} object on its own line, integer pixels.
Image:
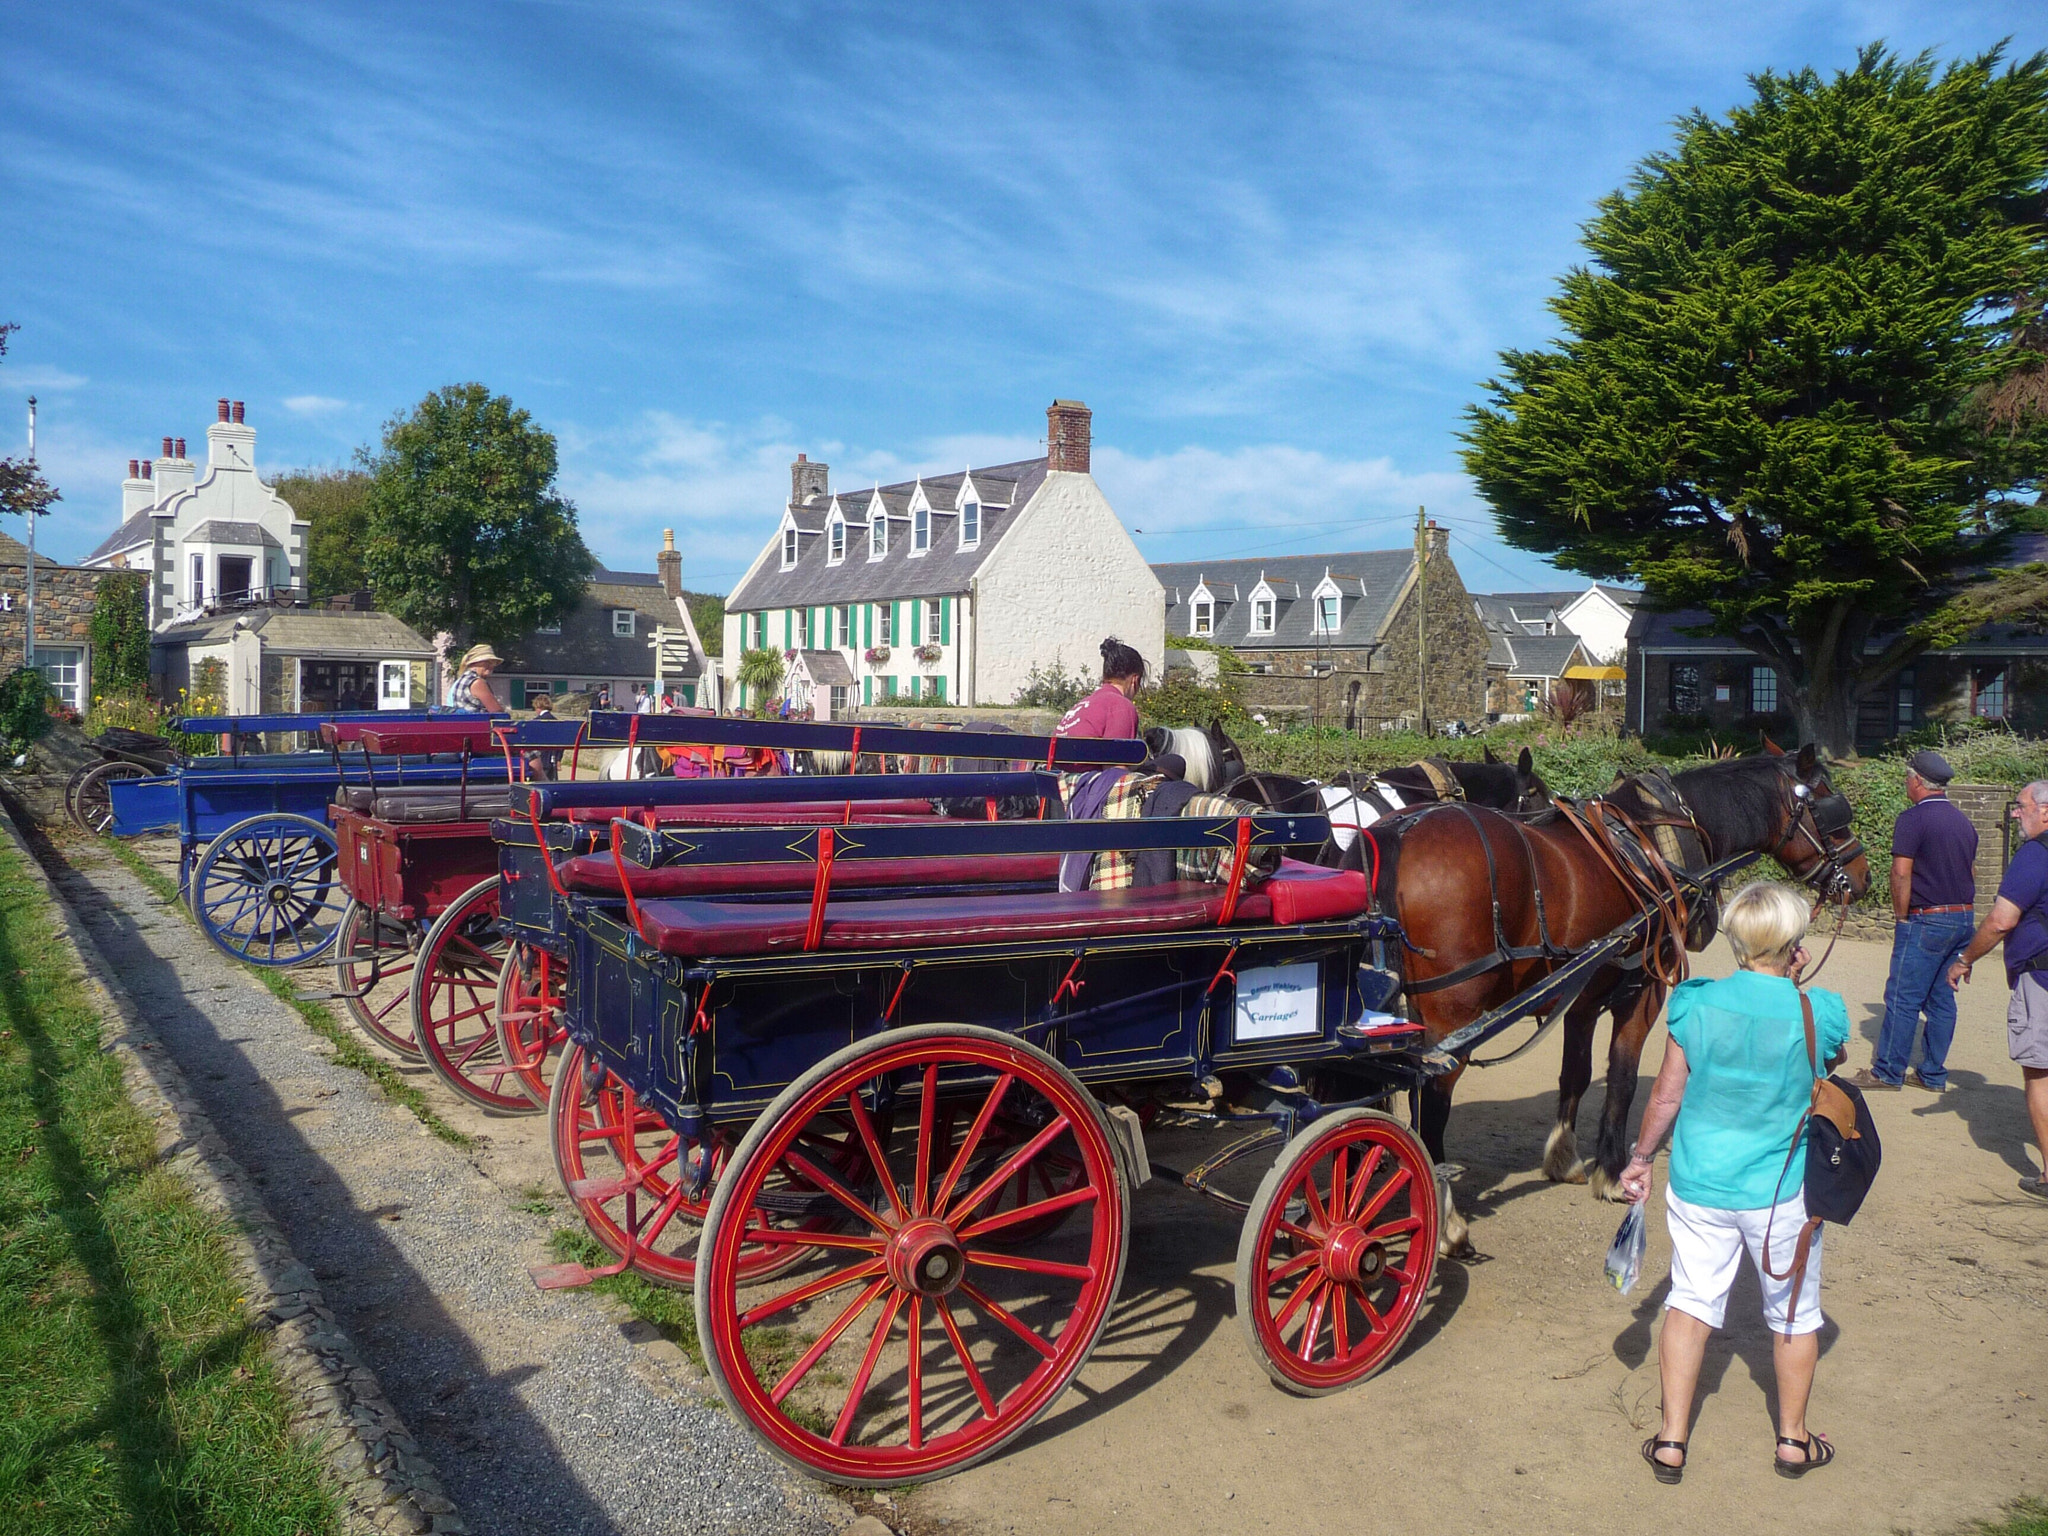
[
  {"x": 14, "y": 552},
  {"x": 1666, "y": 632},
  {"x": 136, "y": 530},
  {"x": 214, "y": 531},
  {"x": 586, "y": 647},
  {"x": 307, "y": 632},
  {"x": 1543, "y": 655},
  {"x": 1369, "y": 582},
  {"x": 945, "y": 568},
  {"x": 828, "y": 669}
]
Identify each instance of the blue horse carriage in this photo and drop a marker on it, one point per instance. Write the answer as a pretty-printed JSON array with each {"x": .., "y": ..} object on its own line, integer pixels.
[
  {"x": 897, "y": 1087},
  {"x": 257, "y": 857}
]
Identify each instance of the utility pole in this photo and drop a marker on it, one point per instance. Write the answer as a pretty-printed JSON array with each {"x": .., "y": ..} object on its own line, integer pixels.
[
  {"x": 1422, "y": 621},
  {"x": 30, "y": 651}
]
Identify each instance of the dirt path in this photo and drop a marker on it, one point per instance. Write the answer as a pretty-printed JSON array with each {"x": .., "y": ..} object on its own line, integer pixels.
[
  {"x": 540, "y": 1415},
  {"x": 1530, "y": 1384}
]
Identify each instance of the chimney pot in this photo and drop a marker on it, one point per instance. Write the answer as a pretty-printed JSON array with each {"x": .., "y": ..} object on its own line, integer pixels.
[
  {"x": 222, "y": 406},
  {"x": 670, "y": 564},
  {"x": 168, "y": 452},
  {"x": 803, "y": 458},
  {"x": 134, "y": 469},
  {"x": 237, "y": 409},
  {"x": 181, "y": 447},
  {"x": 1067, "y": 433},
  {"x": 147, "y": 467}
]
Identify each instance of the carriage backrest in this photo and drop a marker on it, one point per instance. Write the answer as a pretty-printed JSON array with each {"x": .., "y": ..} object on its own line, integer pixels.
[
  {"x": 613, "y": 728},
  {"x": 550, "y": 799}
]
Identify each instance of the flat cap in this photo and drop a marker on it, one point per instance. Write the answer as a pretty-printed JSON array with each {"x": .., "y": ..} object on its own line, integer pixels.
[{"x": 1931, "y": 766}]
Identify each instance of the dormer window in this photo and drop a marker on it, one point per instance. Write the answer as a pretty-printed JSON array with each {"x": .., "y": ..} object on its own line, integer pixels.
[
  {"x": 788, "y": 547},
  {"x": 921, "y": 530},
  {"x": 878, "y": 535},
  {"x": 622, "y": 622},
  {"x": 970, "y": 524},
  {"x": 1264, "y": 606},
  {"x": 835, "y": 541},
  {"x": 1202, "y": 617},
  {"x": 1328, "y": 607}
]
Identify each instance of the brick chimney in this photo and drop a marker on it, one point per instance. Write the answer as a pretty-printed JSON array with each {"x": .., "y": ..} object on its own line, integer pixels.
[
  {"x": 807, "y": 479},
  {"x": 1066, "y": 436},
  {"x": 171, "y": 474},
  {"x": 1439, "y": 539},
  {"x": 230, "y": 442},
  {"x": 670, "y": 563}
]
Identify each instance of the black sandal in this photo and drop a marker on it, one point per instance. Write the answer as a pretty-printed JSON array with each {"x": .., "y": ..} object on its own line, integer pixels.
[
  {"x": 1819, "y": 1452},
  {"x": 1666, "y": 1472}
]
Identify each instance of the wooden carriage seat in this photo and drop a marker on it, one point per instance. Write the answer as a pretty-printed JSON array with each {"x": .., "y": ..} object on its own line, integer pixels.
[
  {"x": 596, "y": 875},
  {"x": 414, "y": 804},
  {"x": 796, "y": 813},
  {"x": 1297, "y": 894}
]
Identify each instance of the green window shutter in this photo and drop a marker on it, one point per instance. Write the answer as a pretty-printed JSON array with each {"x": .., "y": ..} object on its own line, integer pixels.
[
  {"x": 939, "y": 689},
  {"x": 867, "y": 629},
  {"x": 519, "y": 693},
  {"x": 916, "y": 623},
  {"x": 896, "y": 623},
  {"x": 867, "y": 689},
  {"x": 945, "y": 621}
]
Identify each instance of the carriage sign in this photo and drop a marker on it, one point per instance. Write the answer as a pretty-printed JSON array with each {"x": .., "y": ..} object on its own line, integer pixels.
[{"x": 1279, "y": 1002}]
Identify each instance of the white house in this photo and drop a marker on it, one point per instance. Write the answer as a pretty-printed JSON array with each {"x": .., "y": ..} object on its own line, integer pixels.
[
  {"x": 209, "y": 541},
  {"x": 1599, "y": 615},
  {"x": 948, "y": 587}
]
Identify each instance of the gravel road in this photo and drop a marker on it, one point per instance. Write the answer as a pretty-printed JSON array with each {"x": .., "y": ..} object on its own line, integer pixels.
[{"x": 538, "y": 1411}]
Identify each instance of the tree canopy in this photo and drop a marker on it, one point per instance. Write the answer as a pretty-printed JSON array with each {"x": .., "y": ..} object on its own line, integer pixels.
[
  {"x": 1800, "y": 382},
  {"x": 337, "y": 503},
  {"x": 465, "y": 531},
  {"x": 23, "y": 490}
]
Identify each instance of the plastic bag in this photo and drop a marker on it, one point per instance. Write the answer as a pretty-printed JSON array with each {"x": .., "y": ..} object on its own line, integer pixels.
[{"x": 1625, "y": 1253}]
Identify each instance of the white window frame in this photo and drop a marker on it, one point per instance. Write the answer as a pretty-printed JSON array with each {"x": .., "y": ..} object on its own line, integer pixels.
[
  {"x": 197, "y": 591},
  {"x": 1265, "y": 606},
  {"x": 631, "y": 625},
  {"x": 842, "y": 625},
  {"x": 835, "y": 540},
  {"x": 1329, "y": 619},
  {"x": 884, "y": 627},
  {"x": 878, "y": 535},
  {"x": 934, "y": 620},
  {"x": 389, "y": 672},
  {"x": 72, "y": 689},
  {"x": 790, "y": 546},
  {"x": 970, "y": 524},
  {"x": 803, "y": 628},
  {"x": 920, "y": 531}
]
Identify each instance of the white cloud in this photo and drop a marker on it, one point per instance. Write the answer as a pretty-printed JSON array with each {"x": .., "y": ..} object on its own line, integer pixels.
[
  {"x": 44, "y": 378},
  {"x": 314, "y": 405}
]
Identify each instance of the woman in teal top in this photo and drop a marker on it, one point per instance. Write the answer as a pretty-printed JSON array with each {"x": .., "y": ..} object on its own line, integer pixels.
[{"x": 1736, "y": 1080}]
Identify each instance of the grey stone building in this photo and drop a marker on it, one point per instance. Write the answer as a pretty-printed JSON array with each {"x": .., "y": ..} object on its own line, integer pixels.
[
  {"x": 608, "y": 639},
  {"x": 64, "y": 599},
  {"x": 1335, "y": 638}
]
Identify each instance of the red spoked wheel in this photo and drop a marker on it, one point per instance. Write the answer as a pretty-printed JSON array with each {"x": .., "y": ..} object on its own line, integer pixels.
[
  {"x": 373, "y": 974},
  {"x": 531, "y": 1033},
  {"x": 628, "y": 1172},
  {"x": 455, "y": 1002},
  {"x": 1337, "y": 1252},
  {"x": 913, "y": 1346}
]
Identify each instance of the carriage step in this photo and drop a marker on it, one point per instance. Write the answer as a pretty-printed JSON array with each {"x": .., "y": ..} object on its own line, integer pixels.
[
  {"x": 1131, "y": 1132},
  {"x": 559, "y": 1277}
]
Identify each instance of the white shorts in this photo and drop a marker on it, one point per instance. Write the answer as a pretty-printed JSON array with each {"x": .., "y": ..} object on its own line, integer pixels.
[{"x": 1706, "y": 1251}]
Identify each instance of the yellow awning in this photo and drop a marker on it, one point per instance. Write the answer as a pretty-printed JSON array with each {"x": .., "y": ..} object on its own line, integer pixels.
[{"x": 1597, "y": 674}]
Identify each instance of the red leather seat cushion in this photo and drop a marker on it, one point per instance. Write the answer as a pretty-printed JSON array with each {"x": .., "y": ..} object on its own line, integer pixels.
[
  {"x": 697, "y": 928},
  {"x": 798, "y": 813},
  {"x": 594, "y": 874},
  {"x": 1307, "y": 893}
]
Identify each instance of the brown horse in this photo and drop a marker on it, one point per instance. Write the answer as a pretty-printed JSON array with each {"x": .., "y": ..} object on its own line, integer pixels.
[{"x": 1557, "y": 886}]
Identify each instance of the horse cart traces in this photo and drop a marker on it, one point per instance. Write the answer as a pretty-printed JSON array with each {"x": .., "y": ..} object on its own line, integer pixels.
[{"x": 537, "y": 1409}]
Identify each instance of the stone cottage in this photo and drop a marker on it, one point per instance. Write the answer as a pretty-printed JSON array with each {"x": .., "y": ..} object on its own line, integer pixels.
[
  {"x": 1333, "y": 639},
  {"x": 64, "y": 599}
]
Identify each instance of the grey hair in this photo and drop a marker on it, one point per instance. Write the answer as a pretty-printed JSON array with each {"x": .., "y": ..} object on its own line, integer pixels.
[{"x": 2036, "y": 792}]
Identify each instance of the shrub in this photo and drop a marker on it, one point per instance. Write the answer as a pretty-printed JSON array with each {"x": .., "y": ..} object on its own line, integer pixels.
[
  {"x": 120, "y": 636},
  {"x": 1053, "y": 688},
  {"x": 25, "y": 701}
]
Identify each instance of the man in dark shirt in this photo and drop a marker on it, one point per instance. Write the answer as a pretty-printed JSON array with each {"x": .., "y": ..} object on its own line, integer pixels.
[
  {"x": 2020, "y": 918},
  {"x": 1934, "y": 893}
]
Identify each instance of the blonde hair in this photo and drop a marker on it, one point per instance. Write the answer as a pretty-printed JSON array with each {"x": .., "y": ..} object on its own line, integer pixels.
[{"x": 1763, "y": 921}]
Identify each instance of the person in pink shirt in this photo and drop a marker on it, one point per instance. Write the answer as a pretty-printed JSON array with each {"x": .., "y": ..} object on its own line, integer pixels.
[{"x": 1108, "y": 712}]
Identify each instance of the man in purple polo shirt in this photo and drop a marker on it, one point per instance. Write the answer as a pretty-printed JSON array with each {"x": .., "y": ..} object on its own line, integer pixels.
[{"x": 1934, "y": 893}]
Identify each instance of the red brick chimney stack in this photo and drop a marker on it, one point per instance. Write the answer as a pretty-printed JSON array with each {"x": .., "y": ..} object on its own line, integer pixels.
[{"x": 1066, "y": 436}]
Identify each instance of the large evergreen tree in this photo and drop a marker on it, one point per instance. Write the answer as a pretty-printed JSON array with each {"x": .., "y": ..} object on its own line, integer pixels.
[
  {"x": 1800, "y": 379},
  {"x": 466, "y": 533}
]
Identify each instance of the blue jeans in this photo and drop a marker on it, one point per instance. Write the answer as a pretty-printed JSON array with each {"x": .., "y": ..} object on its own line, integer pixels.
[{"x": 1922, "y": 948}]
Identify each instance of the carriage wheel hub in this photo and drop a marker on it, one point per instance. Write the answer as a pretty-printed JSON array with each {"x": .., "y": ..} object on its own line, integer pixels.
[
  {"x": 1349, "y": 1255},
  {"x": 925, "y": 1257},
  {"x": 279, "y": 893}
]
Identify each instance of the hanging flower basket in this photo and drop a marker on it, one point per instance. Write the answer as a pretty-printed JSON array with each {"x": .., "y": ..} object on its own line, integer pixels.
[
  {"x": 877, "y": 654},
  {"x": 929, "y": 654}
]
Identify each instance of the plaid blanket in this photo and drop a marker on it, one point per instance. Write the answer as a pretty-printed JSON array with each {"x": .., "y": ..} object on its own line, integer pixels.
[
  {"x": 1125, "y": 802},
  {"x": 1213, "y": 864}
]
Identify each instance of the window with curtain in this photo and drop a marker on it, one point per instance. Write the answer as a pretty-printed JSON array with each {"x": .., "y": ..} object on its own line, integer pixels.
[
  {"x": 885, "y": 623},
  {"x": 931, "y": 621},
  {"x": 1204, "y": 618},
  {"x": 803, "y": 628},
  {"x": 1262, "y": 616},
  {"x": 844, "y": 623}
]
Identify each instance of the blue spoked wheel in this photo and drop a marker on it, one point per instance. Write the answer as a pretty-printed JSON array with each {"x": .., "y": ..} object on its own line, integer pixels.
[{"x": 265, "y": 891}]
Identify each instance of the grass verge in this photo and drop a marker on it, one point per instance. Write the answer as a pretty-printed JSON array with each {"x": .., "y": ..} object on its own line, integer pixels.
[
  {"x": 670, "y": 1310},
  {"x": 2025, "y": 1517},
  {"x": 349, "y": 1050},
  {"x": 135, "y": 1396}
]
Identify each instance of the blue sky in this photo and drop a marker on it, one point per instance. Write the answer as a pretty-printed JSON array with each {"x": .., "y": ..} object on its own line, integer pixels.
[{"x": 1275, "y": 247}]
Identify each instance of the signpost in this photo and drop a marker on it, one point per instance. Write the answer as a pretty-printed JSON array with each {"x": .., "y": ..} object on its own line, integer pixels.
[{"x": 671, "y": 649}]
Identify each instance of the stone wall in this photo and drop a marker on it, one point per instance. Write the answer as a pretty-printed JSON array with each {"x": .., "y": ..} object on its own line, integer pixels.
[
  {"x": 1364, "y": 687},
  {"x": 64, "y": 599},
  {"x": 1989, "y": 807}
]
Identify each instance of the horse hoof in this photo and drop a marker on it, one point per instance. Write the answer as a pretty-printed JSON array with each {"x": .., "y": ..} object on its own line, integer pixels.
[
  {"x": 1606, "y": 1186},
  {"x": 1561, "y": 1162},
  {"x": 1573, "y": 1172}
]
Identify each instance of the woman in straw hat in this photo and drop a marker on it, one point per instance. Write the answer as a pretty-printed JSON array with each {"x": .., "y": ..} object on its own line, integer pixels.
[{"x": 473, "y": 689}]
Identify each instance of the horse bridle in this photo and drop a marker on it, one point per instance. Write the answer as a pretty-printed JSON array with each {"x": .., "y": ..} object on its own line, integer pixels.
[{"x": 1819, "y": 820}]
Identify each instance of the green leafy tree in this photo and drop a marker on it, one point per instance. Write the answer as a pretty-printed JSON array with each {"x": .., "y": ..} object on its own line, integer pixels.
[
  {"x": 1800, "y": 385},
  {"x": 707, "y": 612},
  {"x": 760, "y": 673},
  {"x": 337, "y": 503},
  {"x": 120, "y": 636},
  {"x": 23, "y": 490},
  {"x": 465, "y": 532}
]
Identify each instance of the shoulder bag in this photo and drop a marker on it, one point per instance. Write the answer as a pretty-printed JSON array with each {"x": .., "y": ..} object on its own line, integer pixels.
[{"x": 1842, "y": 1157}]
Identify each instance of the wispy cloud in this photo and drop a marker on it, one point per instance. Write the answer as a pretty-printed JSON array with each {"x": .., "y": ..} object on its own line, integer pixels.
[
  {"x": 43, "y": 378},
  {"x": 314, "y": 405}
]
